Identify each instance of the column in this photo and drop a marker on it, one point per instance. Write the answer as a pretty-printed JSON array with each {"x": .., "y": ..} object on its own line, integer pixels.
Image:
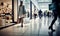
[{"x": 30, "y": 9}]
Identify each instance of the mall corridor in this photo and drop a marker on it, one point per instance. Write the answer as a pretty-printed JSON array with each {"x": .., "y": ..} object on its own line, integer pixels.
[
  {"x": 35, "y": 27},
  {"x": 29, "y": 18}
]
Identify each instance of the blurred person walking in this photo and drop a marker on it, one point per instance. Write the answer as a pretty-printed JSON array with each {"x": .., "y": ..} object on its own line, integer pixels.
[{"x": 21, "y": 13}]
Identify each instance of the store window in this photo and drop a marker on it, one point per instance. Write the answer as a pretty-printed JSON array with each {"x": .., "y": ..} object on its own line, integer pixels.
[{"x": 5, "y": 12}]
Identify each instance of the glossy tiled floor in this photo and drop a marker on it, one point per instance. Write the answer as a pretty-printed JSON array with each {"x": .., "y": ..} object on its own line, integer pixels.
[{"x": 35, "y": 27}]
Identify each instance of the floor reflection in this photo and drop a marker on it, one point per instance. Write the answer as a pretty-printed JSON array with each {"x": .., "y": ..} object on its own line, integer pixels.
[
  {"x": 36, "y": 27},
  {"x": 51, "y": 33}
]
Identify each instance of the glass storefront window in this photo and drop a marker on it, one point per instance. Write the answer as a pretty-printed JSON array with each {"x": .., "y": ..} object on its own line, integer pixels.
[{"x": 5, "y": 12}]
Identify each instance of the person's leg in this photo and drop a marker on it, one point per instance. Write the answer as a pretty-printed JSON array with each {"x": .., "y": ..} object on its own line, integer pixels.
[
  {"x": 39, "y": 15},
  {"x": 55, "y": 18},
  {"x": 59, "y": 19},
  {"x": 21, "y": 22},
  {"x": 18, "y": 20}
]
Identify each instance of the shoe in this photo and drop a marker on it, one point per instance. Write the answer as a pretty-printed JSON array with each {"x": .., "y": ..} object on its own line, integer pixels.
[
  {"x": 51, "y": 29},
  {"x": 21, "y": 25}
]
